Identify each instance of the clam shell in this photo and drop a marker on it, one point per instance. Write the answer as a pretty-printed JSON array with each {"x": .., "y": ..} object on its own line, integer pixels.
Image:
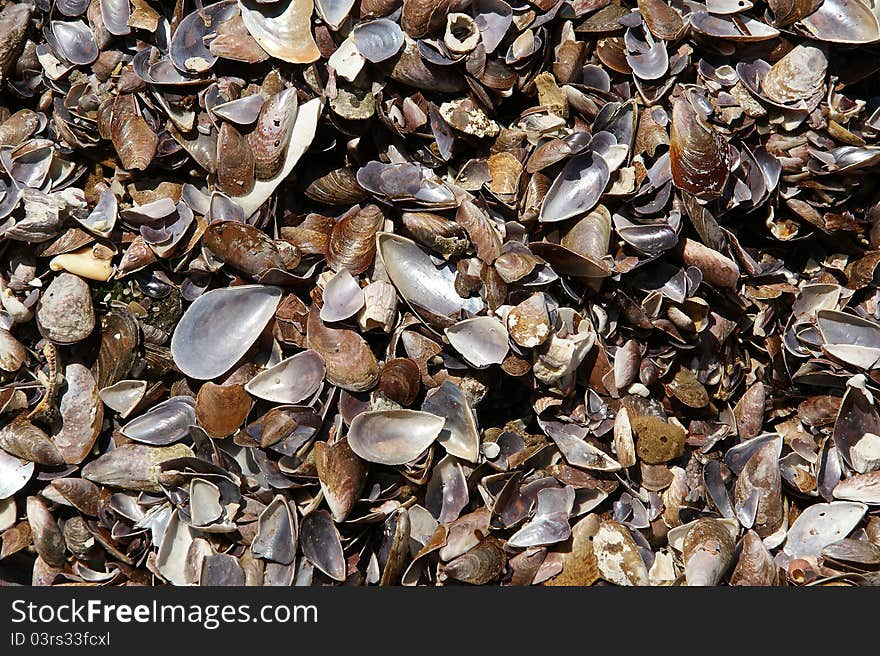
[
  {"x": 133, "y": 139},
  {"x": 352, "y": 244},
  {"x": 400, "y": 381},
  {"x": 460, "y": 435},
  {"x": 423, "y": 285},
  {"x": 796, "y": 78},
  {"x": 222, "y": 409},
  {"x": 282, "y": 29},
  {"x": 482, "y": 341},
  {"x": 76, "y": 41},
  {"x": 393, "y": 437},
  {"x": 820, "y": 525},
  {"x": 82, "y": 414},
  {"x": 699, "y": 156},
  {"x": 842, "y": 21},
  {"x": 219, "y": 327},
  {"x": 861, "y": 487},
  {"x": 14, "y": 20},
  {"x": 133, "y": 466},
  {"x": 277, "y": 532},
  {"x": 235, "y": 162},
  {"x": 64, "y": 313},
  {"x": 290, "y": 381},
  {"x": 343, "y": 297},
  {"x": 479, "y": 566},
  {"x": 322, "y": 546},
  {"x": 577, "y": 188},
  {"x": 378, "y": 40},
  {"x": 272, "y": 134},
  {"x": 350, "y": 362},
  {"x": 529, "y": 323},
  {"x": 342, "y": 476},
  {"x": 549, "y": 524}
]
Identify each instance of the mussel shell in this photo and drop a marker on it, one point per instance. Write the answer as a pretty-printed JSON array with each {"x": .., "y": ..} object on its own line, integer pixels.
[
  {"x": 350, "y": 362},
  {"x": 699, "y": 155},
  {"x": 843, "y": 22},
  {"x": 272, "y": 133},
  {"x": 219, "y": 327},
  {"x": 577, "y": 188},
  {"x": 222, "y": 409},
  {"x": 283, "y": 29},
  {"x": 243, "y": 247},
  {"x": 393, "y": 437},
  {"x": 352, "y": 244},
  {"x": 290, "y": 381},
  {"x": 378, "y": 40},
  {"x": 235, "y": 162}
]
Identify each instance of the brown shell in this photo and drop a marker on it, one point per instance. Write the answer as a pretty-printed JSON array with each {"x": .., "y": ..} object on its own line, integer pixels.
[
  {"x": 698, "y": 154},
  {"x": 528, "y": 323},
  {"x": 755, "y": 566},
  {"x": 400, "y": 381},
  {"x": 243, "y": 247},
  {"x": 420, "y": 16},
  {"x": 352, "y": 242},
  {"x": 14, "y": 21},
  {"x": 445, "y": 237},
  {"x": 134, "y": 141},
  {"x": 480, "y": 565},
  {"x": 663, "y": 21},
  {"x": 351, "y": 364},
  {"x": 221, "y": 409},
  {"x": 120, "y": 338},
  {"x": 235, "y": 162},
  {"x": 342, "y": 476},
  {"x": 761, "y": 475},
  {"x": 338, "y": 187},
  {"x": 18, "y": 127},
  {"x": 786, "y": 12},
  {"x": 272, "y": 133},
  {"x": 65, "y": 314},
  {"x": 28, "y": 442}
]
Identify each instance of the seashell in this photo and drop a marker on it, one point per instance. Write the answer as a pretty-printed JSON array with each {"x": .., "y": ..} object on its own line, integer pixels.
[
  {"x": 460, "y": 436},
  {"x": 24, "y": 440},
  {"x": 352, "y": 244},
  {"x": 717, "y": 270},
  {"x": 271, "y": 137},
  {"x": 400, "y": 381},
  {"x": 334, "y": 12},
  {"x": 82, "y": 415},
  {"x": 462, "y": 33},
  {"x": 447, "y": 238},
  {"x": 749, "y": 411},
  {"x": 420, "y": 15},
  {"x": 841, "y": 22},
  {"x": 342, "y": 296},
  {"x": 482, "y": 341},
  {"x": 338, "y": 187},
  {"x": 120, "y": 338},
  {"x": 219, "y": 327},
  {"x": 755, "y": 566},
  {"x": 577, "y": 188},
  {"x": 164, "y": 423},
  {"x": 115, "y": 14},
  {"x": 282, "y": 29},
  {"x": 758, "y": 490},
  {"x": 849, "y": 338},
  {"x": 687, "y": 389},
  {"x": 243, "y": 247},
  {"x": 14, "y": 473},
  {"x": 14, "y": 20},
  {"x": 857, "y": 420},
  {"x": 617, "y": 555},
  {"x": 18, "y": 127},
  {"x": 75, "y": 41},
  {"x": 76, "y": 492},
  {"x": 699, "y": 156},
  {"x": 342, "y": 476},
  {"x": 393, "y": 437},
  {"x": 290, "y": 381},
  {"x": 222, "y": 409},
  {"x": 529, "y": 323},
  {"x": 746, "y": 30},
  {"x": 133, "y": 466},
  {"x": 559, "y": 359},
  {"x": 429, "y": 289},
  {"x": 85, "y": 263},
  {"x": 624, "y": 445},
  {"x": 647, "y": 58},
  {"x": 479, "y": 566},
  {"x": 860, "y": 487},
  {"x": 380, "y": 307},
  {"x": 482, "y": 233},
  {"x": 820, "y": 525},
  {"x": 579, "y": 561},
  {"x": 12, "y": 352},
  {"x": 378, "y": 40},
  {"x": 707, "y": 552},
  {"x": 235, "y": 161},
  {"x": 189, "y": 49},
  {"x": 277, "y": 532},
  {"x": 172, "y": 558},
  {"x": 412, "y": 71},
  {"x": 47, "y": 538},
  {"x": 796, "y": 79},
  {"x": 663, "y": 21},
  {"x": 350, "y": 362},
  {"x": 786, "y": 12},
  {"x": 466, "y": 116},
  {"x": 102, "y": 219},
  {"x": 64, "y": 313},
  {"x": 569, "y": 439},
  {"x": 322, "y": 546},
  {"x": 134, "y": 141}
]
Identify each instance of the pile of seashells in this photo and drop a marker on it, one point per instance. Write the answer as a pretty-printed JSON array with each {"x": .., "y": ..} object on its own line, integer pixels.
[{"x": 439, "y": 292}]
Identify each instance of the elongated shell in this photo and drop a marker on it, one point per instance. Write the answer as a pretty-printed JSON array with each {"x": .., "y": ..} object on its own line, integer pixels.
[
  {"x": 272, "y": 133},
  {"x": 235, "y": 162},
  {"x": 14, "y": 21},
  {"x": 133, "y": 139},
  {"x": 707, "y": 552},
  {"x": 699, "y": 156},
  {"x": 480, "y": 565},
  {"x": 349, "y": 360},
  {"x": 352, "y": 243}
]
